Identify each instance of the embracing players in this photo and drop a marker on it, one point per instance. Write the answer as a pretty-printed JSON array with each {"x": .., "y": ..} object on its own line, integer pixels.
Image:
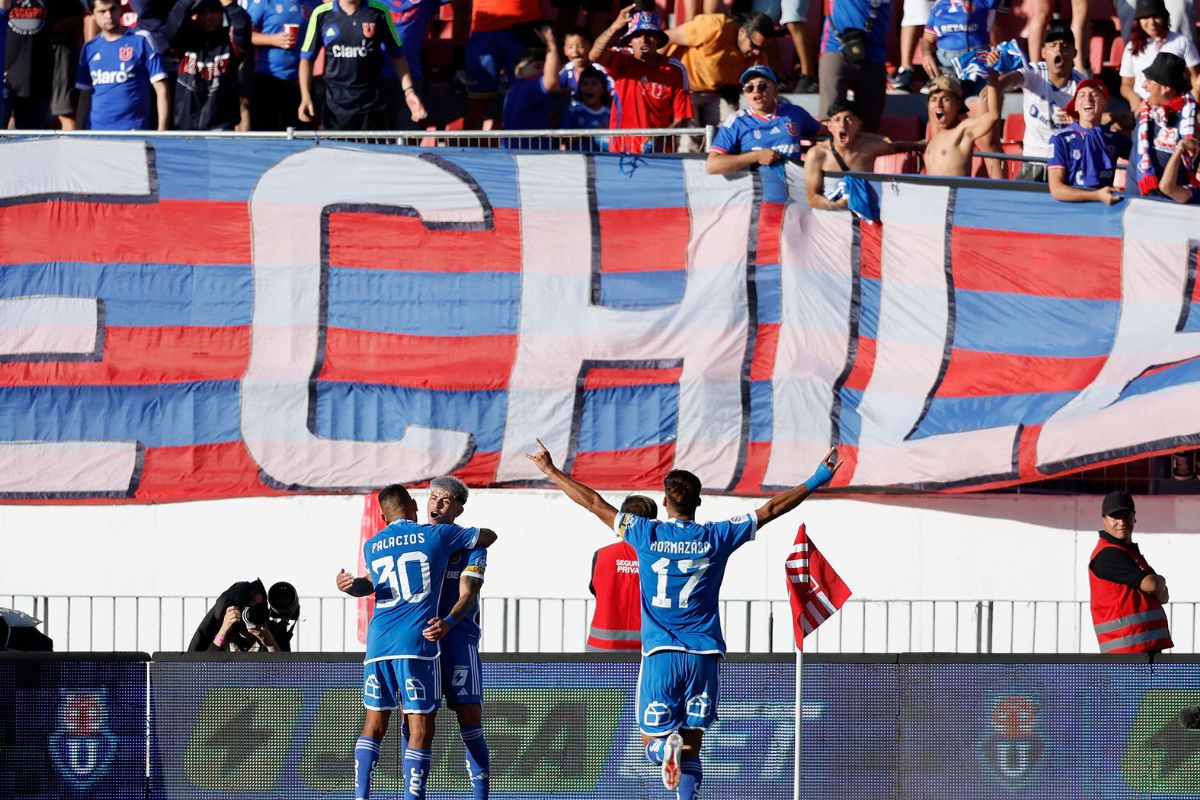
[{"x": 681, "y": 564}]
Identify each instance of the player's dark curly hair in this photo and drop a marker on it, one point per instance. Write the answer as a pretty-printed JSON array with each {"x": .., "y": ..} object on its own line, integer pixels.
[{"x": 683, "y": 490}]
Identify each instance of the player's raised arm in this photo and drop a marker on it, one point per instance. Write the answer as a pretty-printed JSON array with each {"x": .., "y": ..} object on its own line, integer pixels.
[
  {"x": 784, "y": 502},
  {"x": 355, "y": 587},
  {"x": 585, "y": 496},
  {"x": 487, "y": 538}
]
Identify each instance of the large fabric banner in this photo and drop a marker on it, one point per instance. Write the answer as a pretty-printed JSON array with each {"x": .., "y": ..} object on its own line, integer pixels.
[{"x": 200, "y": 318}]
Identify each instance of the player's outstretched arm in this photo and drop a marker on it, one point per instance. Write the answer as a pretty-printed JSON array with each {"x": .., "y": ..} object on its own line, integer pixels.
[
  {"x": 585, "y": 496},
  {"x": 355, "y": 587},
  {"x": 784, "y": 502}
]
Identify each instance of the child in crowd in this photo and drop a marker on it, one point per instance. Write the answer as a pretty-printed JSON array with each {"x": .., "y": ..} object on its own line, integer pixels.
[
  {"x": 576, "y": 45},
  {"x": 592, "y": 111}
]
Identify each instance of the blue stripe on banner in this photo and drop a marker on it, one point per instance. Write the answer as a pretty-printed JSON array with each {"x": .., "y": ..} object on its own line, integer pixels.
[
  {"x": 1186, "y": 372},
  {"x": 142, "y": 294},
  {"x": 1028, "y": 325},
  {"x": 850, "y": 421},
  {"x": 1032, "y": 212},
  {"x": 626, "y": 417},
  {"x": 869, "y": 307},
  {"x": 761, "y": 411},
  {"x": 164, "y": 415},
  {"x": 624, "y": 181},
  {"x": 642, "y": 290},
  {"x": 770, "y": 293},
  {"x": 435, "y": 303},
  {"x": 373, "y": 413},
  {"x": 955, "y": 414},
  {"x": 1192, "y": 323}
]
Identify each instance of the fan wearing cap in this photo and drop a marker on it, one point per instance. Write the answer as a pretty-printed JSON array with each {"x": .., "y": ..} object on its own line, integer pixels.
[
  {"x": 1150, "y": 36},
  {"x": 848, "y": 149},
  {"x": 1127, "y": 595},
  {"x": 651, "y": 90},
  {"x": 952, "y": 132},
  {"x": 1083, "y": 159},
  {"x": 770, "y": 129},
  {"x": 1166, "y": 118}
]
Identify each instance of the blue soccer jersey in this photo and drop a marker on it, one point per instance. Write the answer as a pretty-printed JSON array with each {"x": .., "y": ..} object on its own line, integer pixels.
[
  {"x": 680, "y": 569},
  {"x": 961, "y": 24},
  {"x": 1088, "y": 155},
  {"x": 407, "y": 563},
  {"x": 469, "y": 562},
  {"x": 118, "y": 73},
  {"x": 270, "y": 17},
  {"x": 782, "y": 131}
]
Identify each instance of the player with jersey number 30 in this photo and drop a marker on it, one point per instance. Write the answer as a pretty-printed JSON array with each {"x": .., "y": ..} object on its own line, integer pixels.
[{"x": 681, "y": 564}]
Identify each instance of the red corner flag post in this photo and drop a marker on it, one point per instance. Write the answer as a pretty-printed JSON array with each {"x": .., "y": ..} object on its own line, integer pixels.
[
  {"x": 371, "y": 524},
  {"x": 814, "y": 588}
]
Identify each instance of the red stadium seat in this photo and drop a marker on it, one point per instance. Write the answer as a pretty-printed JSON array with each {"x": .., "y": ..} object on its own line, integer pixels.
[
  {"x": 446, "y": 12},
  {"x": 1014, "y": 129},
  {"x": 1115, "y": 52}
]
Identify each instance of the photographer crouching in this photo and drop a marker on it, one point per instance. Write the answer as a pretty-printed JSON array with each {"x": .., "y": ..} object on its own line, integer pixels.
[{"x": 247, "y": 618}]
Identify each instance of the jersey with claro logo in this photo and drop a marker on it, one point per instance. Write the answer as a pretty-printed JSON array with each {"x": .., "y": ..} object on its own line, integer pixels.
[
  {"x": 473, "y": 564},
  {"x": 681, "y": 567},
  {"x": 407, "y": 563},
  {"x": 118, "y": 73},
  {"x": 355, "y": 46}
]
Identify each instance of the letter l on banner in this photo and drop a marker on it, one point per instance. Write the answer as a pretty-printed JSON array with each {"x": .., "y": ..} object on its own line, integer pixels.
[
  {"x": 815, "y": 591},
  {"x": 371, "y": 524}
]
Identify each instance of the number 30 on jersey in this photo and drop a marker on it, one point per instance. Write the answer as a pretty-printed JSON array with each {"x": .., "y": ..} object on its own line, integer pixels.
[{"x": 398, "y": 574}]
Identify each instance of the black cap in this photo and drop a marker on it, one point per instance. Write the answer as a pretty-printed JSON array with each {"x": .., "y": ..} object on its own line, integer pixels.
[
  {"x": 1150, "y": 8},
  {"x": 1116, "y": 501},
  {"x": 838, "y": 106},
  {"x": 1169, "y": 70},
  {"x": 1059, "y": 34}
]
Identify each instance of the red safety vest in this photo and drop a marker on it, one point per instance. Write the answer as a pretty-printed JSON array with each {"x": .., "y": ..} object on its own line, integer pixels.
[
  {"x": 617, "y": 623},
  {"x": 1127, "y": 619}
]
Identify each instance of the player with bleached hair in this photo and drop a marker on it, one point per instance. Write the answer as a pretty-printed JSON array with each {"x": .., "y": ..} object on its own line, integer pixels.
[{"x": 681, "y": 564}]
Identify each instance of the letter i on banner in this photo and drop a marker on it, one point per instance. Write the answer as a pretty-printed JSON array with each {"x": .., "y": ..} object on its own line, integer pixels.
[{"x": 372, "y": 520}]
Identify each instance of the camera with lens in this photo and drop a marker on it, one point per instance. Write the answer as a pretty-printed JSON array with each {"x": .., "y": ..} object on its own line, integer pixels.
[{"x": 265, "y": 618}]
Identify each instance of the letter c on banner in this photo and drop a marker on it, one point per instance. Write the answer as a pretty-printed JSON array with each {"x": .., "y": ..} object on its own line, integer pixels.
[{"x": 287, "y": 212}]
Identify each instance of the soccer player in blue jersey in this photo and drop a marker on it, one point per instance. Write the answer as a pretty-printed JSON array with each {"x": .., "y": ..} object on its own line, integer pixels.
[
  {"x": 681, "y": 564},
  {"x": 407, "y": 564},
  {"x": 118, "y": 72}
]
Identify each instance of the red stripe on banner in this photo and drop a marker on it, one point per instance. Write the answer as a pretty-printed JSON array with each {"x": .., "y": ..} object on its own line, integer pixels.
[
  {"x": 972, "y": 373},
  {"x": 144, "y": 356},
  {"x": 758, "y": 454},
  {"x": 610, "y": 377},
  {"x": 770, "y": 224},
  {"x": 208, "y": 471},
  {"x": 766, "y": 345},
  {"x": 1163, "y": 367},
  {"x": 391, "y": 241},
  {"x": 864, "y": 364},
  {"x": 1076, "y": 267},
  {"x": 1027, "y": 452},
  {"x": 847, "y": 456},
  {"x": 480, "y": 469},
  {"x": 639, "y": 468},
  {"x": 168, "y": 232},
  {"x": 871, "y": 250},
  {"x": 428, "y": 362},
  {"x": 644, "y": 239}
]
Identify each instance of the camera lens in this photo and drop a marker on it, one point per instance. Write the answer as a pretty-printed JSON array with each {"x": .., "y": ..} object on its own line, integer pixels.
[
  {"x": 255, "y": 616},
  {"x": 284, "y": 600}
]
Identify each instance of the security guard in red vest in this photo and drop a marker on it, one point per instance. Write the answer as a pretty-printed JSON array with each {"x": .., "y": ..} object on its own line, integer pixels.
[
  {"x": 1127, "y": 594},
  {"x": 617, "y": 623}
]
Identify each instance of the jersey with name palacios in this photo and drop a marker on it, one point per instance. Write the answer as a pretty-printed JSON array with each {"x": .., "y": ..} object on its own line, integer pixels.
[
  {"x": 407, "y": 563},
  {"x": 118, "y": 73},
  {"x": 467, "y": 562},
  {"x": 681, "y": 566}
]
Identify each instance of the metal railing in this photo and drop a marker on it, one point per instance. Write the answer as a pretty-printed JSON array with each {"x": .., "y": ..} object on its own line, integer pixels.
[
  {"x": 587, "y": 141},
  {"x": 557, "y": 625}
]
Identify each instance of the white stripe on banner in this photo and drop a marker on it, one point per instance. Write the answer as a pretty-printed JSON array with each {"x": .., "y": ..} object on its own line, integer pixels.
[
  {"x": 800, "y": 548},
  {"x": 45, "y": 327},
  {"x": 824, "y": 598},
  {"x": 797, "y": 563},
  {"x": 805, "y": 625},
  {"x": 817, "y": 615},
  {"x": 801, "y": 577}
]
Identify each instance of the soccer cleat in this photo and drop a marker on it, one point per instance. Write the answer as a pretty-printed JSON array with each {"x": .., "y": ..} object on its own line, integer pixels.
[{"x": 670, "y": 765}]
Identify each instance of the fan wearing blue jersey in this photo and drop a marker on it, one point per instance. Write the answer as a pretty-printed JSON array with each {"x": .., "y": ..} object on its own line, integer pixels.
[
  {"x": 681, "y": 564},
  {"x": 769, "y": 129},
  {"x": 118, "y": 72},
  {"x": 406, "y": 564}
]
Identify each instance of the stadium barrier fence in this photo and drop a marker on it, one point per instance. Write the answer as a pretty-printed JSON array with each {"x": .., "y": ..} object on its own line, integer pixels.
[
  {"x": 873, "y": 727},
  {"x": 559, "y": 625}
]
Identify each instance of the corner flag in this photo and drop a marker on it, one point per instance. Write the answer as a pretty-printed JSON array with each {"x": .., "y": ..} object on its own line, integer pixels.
[{"x": 814, "y": 588}]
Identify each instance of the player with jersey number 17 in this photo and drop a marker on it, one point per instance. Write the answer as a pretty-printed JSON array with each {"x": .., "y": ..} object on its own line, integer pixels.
[
  {"x": 681, "y": 564},
  {"x": 407, "y": 563}
]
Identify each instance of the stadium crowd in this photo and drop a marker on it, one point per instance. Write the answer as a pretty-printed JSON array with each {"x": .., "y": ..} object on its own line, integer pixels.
[{"x": 370, "y": 65}]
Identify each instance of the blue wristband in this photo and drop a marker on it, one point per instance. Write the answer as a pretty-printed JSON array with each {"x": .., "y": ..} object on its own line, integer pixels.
[
  {"x": 450, "y": 621},
  {"x": 819, "y": 478}
]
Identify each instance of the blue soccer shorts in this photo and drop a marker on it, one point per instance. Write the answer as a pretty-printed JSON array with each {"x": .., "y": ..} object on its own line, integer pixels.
[
  {"x": 462, "y": 673},
  {"x": 413, "y": 685},
  {"x": 677, "y": 690}
]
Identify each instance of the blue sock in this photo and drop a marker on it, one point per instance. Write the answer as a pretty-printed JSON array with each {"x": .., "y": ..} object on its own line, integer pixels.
[
  {"x": 654, "y": 749},
  {"x": 366, "y": 754},
  {"x": 691, "y": 774},
  {"x": 415, "y": 772},
  {"x": 478, "y": 761}
]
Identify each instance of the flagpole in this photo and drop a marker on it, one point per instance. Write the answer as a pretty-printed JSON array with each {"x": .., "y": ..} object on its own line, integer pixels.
[{"x": 799, "y": 717}]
